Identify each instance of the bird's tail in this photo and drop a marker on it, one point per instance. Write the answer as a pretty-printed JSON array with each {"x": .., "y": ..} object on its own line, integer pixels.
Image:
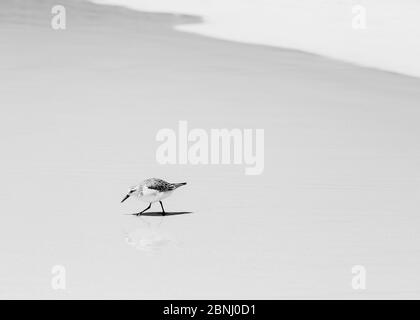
[{"x": 177, "y": 185}]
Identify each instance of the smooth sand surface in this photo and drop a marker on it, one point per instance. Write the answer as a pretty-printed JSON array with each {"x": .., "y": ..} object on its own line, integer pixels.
[{"x": 80, "y": 109}]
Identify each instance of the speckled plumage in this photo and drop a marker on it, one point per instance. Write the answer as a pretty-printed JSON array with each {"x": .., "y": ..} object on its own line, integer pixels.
[
  {"x": 153, "y": 190},
  {"x": 159, "y": 185}
]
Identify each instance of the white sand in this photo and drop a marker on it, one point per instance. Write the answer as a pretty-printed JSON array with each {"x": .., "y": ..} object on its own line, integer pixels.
[
  {"x": 387, "y": 39},
  {"x": 79, "y": 114}
]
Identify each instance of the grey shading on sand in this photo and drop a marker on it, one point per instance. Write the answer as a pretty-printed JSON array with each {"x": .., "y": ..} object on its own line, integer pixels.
[
  {"x": 150, "y": 236},
  {"x": 79, "y": 113}
]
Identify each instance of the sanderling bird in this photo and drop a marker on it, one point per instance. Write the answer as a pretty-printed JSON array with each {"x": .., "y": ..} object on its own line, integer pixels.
[{"x": 153, "y": 190}]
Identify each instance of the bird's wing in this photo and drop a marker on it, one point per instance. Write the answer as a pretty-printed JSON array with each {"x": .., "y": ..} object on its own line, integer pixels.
[{"x": 159, "y": 185}]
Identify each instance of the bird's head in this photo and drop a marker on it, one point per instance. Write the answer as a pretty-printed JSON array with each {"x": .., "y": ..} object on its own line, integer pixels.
[{"x": 133, "y": 191}]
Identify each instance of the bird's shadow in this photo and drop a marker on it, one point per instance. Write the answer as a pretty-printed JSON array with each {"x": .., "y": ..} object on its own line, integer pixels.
[{"x": 159, "y": 214}]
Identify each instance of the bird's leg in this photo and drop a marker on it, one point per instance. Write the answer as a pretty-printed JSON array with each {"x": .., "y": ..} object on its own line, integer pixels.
[
  {"x": 163, "y": 210},
  {"x": 150, "y": 204}
]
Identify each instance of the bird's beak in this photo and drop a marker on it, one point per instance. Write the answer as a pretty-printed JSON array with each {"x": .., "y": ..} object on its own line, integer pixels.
[{"x": 125, "y": 198}]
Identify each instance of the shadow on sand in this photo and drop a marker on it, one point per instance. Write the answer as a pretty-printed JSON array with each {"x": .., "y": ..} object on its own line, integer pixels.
[{"x": 159, "y": 214}]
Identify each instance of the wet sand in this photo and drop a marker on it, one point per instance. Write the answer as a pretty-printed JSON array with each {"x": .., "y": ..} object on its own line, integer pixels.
[{"x": 80, "y": 109}]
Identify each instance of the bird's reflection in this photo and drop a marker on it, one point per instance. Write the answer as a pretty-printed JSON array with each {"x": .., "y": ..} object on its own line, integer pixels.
[{"x": 150, "y": 235}]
